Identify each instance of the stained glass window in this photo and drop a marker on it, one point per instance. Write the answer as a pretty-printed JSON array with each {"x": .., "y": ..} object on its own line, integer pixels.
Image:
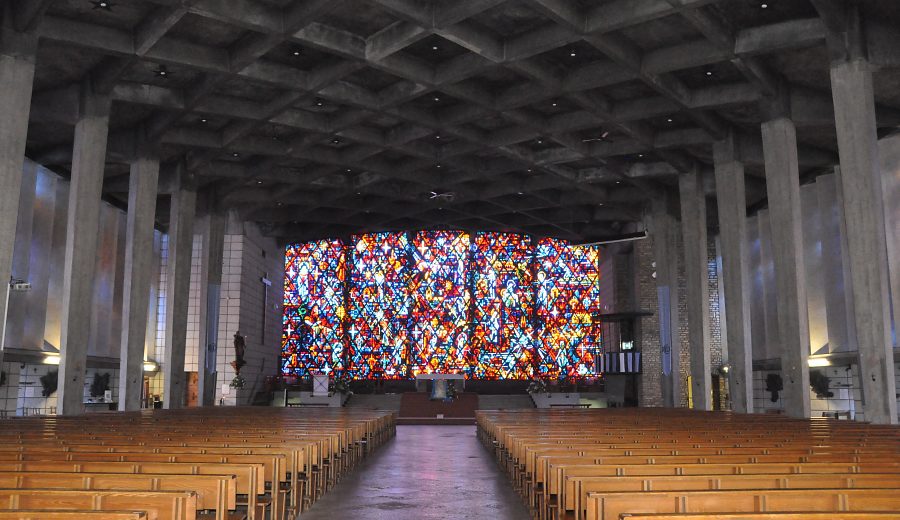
[
  {"x": 567, "y": 285},
  {"x": 379, "y": 306},
  {"x": 439, "y": 337},
  {"x": 393, "y": 305},
  {"x": 312, "y": 333},
  {"x": 503, "y": 327}
]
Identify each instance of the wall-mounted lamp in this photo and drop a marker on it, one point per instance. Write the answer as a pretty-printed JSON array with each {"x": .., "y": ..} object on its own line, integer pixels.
[
  {"x": 50, "y": 359},
  {"x": 151, "y": 366},
  {"x": 818, "y": 362}
]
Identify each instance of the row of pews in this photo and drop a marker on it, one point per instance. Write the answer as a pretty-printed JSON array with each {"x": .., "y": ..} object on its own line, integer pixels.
[
  {"x": 234, "y": 463},
  {"x": 668, "y": 464}
]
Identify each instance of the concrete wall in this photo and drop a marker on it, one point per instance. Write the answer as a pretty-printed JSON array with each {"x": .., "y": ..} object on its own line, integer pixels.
[{"x": 35, "y": 316}]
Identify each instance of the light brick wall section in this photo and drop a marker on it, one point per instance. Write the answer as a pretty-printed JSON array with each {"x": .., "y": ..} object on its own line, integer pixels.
[
  {"x": 248, "y": 257},
  {"x": 640, "y": 270},
  {"x": 649, "y": 383}
]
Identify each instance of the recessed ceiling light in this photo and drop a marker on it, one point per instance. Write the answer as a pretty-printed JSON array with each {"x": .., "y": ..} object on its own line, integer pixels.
[
  {"x": 438, "y": 166},
  {"x": 106, "y": 5},
  {"x": 519, "y": 193},
  {"x": 572, "y": 53},
  {"x": 280, "y": 204},
  {"x": 618, "y": 182},
  {"x": 640, "y": 155},
  {"x": 669, "y": 120},
  {"x": 554, "y": 103},
  {"x": 162, "y": 71},
  {"x": 203, "y": 120},
  {"x": 528, "y": 170},
  {"x": 319, "y": 103},
  {"x": 349, "y": 170},
  {"x": 335, "y": 141},
  {"x": 709, "y": 73},
  {"x": 599, "y": 203},
  {"x": 359, "y": 193},
  {"x": 235, "y": 154},
  {"x": 436, "y": 99},
  {"x": 437, "y": 136},
  {"x": 296, "y": 52},
  {"x": 434, "y": 47},
  {"x": 258, "y": 182},
  {"x": 764, "y": 6}
]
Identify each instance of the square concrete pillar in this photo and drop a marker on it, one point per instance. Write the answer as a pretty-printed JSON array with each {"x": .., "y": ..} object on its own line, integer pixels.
[
  {"x": 17, "y": 59},
  {"x": 732, "y": 206},
  {"x": 88, "y": 164},
  {"x": 693, "y": 231},
  {"x": 178, "y": 281},
  {"x": 863, "y": 205},
  {"x": 139, "y": 260},
  {"x": 783, "y": 188}
]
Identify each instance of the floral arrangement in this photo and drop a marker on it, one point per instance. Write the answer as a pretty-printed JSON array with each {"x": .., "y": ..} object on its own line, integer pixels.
[
  {"x": 537, "y": 386},
  {"x": 238, "y": 382},
  {"x": 341, "y": 385}
]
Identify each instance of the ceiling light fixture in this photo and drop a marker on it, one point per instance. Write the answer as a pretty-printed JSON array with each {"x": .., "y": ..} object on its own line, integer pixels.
[
  {"x": 335, "y": 141},
  {"x": 258, "y": 182},
  {"x": 296, "y": 53},
  {"x": 203, "y": 120},
  {"x": 162, "y": 71},
  {"x": 235, "y": 154},
  {"x": 319, "y": 103},
  {"x": 572, "y": 53},
  {"x": 436, "y": 99},
  {"x": 438, "y": 136},
  {"x": 764, "y": 5},
  {"x": 438, "y": 166},
  {"x": 105, "y": 5},
  {"x": 349, "y": 170},
  {"x": 554, "y": 103},
  {"x": 669, "y": 120},
  {"x": 709, "y": 73},
  {"x": 434, "y": 47}
]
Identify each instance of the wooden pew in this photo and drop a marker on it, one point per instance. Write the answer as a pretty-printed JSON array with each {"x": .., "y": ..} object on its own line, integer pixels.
[
  {"x": 764, "y": 516},
  {"x": 611, "y": 506},
  {"x": 585, "y": 486},
  {"x": 214, "y": 492},
  {"x": 159, "y": 505},
  {"x": 44, "y": 514}
]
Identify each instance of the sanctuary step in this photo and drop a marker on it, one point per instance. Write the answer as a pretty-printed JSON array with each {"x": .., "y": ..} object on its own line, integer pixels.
[
  {"x": 389, "y": 402},
  {"x": 416, "y": 407},
  {"x": 505, "y": 402}
]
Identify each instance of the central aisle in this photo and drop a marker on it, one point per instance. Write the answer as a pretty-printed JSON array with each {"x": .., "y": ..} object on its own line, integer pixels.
[{"x": 426, "y": 472}]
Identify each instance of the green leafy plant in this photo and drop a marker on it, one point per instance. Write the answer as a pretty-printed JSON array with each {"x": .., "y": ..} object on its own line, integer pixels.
[
  {"x": 819, "y": 383},
  {"x": 49, "y": 382},
  {"x": 238, "y": 382},
  {"x": 100, "y": 385}
]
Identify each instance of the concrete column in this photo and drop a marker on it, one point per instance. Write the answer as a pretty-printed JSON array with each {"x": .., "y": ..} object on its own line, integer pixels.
[
  {"x": 693, "y": 231},
  {"x": 213, "y": 244},
  {"x": 854, "y": 114},
  {"x": 732, "y": 205},
  {"x": 178, "y": 281},
  {"x": 16, "y": 77},
  {"x": 139, "y": 260},
  {"x": 88, "y": 163},
  {"x": 664, "y": 231},
  {"x": 889, "y": 153},
  {"x": 783, "y": 187}
]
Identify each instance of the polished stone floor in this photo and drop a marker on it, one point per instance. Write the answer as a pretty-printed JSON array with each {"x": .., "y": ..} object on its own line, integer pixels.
[{"x": 426, "y": 472}]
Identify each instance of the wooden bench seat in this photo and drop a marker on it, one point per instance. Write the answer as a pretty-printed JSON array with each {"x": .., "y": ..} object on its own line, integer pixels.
[
  {"x": 44, "y": 514},
  {"x": 159, "y": 505},
  {"x": 214, "y": 492},
  {"x": 585, "y": 486},
  {"x": 611, "y": 506},
  {"x": 765, "y": 516}
]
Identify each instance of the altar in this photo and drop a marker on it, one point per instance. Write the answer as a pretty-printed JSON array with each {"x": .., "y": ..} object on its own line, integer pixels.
[{"x": 422, "y": 380}]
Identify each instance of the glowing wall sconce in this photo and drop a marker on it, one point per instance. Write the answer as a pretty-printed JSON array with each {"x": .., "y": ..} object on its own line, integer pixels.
[
  {"x": 815, "y": 362},
  {"x": 151, "y": 366}
]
